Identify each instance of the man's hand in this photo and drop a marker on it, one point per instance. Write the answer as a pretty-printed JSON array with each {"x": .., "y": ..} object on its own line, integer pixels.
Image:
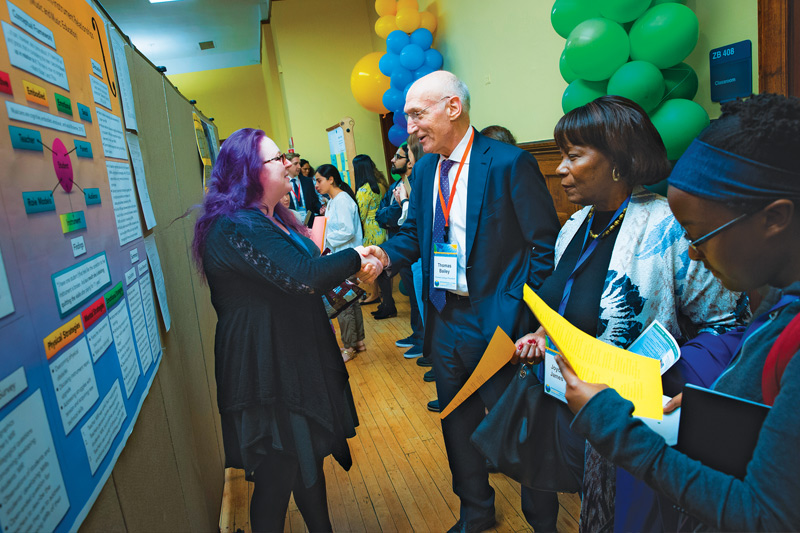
[
  {"x": 530, "y": 348},
  {"x": 378, "y": 253},
  {"x": 371, "y": 266},
  {"x": 400, "y": 193},
  {"x": 578, "y": 391}
]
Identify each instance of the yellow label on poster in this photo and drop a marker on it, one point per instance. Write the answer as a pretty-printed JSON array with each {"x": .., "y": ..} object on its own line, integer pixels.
[
  {"x": 34, "y": 93},
  {"x": 64, "y": 335}
]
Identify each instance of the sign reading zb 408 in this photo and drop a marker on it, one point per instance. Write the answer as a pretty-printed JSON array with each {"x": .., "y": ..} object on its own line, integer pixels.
[{"x": 731, "y": 71}]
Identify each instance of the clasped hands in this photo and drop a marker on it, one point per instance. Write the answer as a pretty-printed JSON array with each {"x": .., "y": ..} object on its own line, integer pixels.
[{"x": 373, "y": 261}]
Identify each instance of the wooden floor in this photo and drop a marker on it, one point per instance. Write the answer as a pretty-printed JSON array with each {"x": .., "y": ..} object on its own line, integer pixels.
[{"x": 400, "y": 480}]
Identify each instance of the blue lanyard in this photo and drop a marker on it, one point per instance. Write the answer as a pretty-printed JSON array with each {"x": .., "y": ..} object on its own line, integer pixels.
[{"x": 585, "y": 254}]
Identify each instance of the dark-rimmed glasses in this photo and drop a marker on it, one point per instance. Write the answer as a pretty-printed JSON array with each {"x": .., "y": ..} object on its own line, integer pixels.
[
  {"x": 279, "y": 157},
  {"x": 416, "y": 116},
  {"x": 693, "y": 244}
]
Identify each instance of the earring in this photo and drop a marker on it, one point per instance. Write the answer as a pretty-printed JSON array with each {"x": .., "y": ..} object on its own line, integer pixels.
[{"x": 615, "y": 174}]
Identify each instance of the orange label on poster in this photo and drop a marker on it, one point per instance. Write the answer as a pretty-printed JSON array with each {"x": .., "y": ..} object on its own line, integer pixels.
[
  {"x": 64, "y": 335},
  {"x": 34, "y": 93}
]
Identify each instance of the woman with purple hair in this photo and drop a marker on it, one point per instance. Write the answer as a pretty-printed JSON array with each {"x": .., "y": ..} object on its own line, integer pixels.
[{"x": 282, "y": 387}]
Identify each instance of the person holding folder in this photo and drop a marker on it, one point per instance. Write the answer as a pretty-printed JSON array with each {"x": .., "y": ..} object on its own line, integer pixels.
[{"x": 736, "y": 192}]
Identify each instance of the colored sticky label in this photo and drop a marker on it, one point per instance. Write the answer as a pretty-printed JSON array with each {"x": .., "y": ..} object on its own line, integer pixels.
[
  {"x": 114, "y": 295},
  {"x": 83, "y": 149},
  {"x": 94, "y": 312},
  {"x": 38, "y": 201},
  {"x": 63, "y": 104},
  {"x": 25, "y": 139},
  {"x": 5, "y": 83},
  {"x": 84, "y": 112},
  {"x": 92, "y": 196},
  {"x": 72, "y": 221},
  {"x": 35, "y": 93},
  {"x": 62, "y": 336}
]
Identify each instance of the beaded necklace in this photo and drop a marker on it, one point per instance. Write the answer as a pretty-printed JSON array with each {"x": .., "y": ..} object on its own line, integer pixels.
[{"x": 610, "y": 228}]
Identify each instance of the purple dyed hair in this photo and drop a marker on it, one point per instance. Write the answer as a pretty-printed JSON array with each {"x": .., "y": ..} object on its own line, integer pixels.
[{"x": 235, "y": 184}]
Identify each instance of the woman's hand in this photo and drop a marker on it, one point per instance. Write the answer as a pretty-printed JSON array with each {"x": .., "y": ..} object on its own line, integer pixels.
[
  {"x": 673, "y": 404},
  {"x": 371, "y": 266},
  {"x": 400, "y": 193},
  {"x": 530, "y": 348},
  {"x": 578, "y": 391}
]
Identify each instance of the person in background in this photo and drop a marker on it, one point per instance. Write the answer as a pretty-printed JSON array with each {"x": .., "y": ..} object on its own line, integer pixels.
[
  {"x": 286, "y": 201},
  {"x": 736, "y": 192},
  {"x": 621, "y": 263},
  {"x": 499, "y": 133},
  {"x": 306, "y": 169},
  {"x": 343, "y": 231},
  {"x": 503, "y": 226},
  {"x": 369, "y": 190},
  {"x": 282, "y": 388},
  {"x": 304, "y": 197}
]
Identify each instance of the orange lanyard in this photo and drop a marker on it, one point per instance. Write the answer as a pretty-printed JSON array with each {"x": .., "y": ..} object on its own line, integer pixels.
[{"x": 446, "y": 207}]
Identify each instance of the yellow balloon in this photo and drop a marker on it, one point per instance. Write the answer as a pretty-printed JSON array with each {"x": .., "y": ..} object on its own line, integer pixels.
[
  {"x": 368, "y": 84},
  {"x": 428, "y": 21},
  {"x": 385, "y": 7},
  {"x": 407, "y": 4},
  {"x": 385, "y": 25},
  {"x": 407, "y": 19}
]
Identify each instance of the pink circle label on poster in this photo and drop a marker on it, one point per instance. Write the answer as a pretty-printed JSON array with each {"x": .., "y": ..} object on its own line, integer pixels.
[{"x": 62, "y": 165}]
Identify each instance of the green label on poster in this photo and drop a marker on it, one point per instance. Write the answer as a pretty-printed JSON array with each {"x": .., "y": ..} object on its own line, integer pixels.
[
  {"x": 63, "y": 104},
  {"x": 72, "y": 221},
  {"x": 114, "y": 295}
]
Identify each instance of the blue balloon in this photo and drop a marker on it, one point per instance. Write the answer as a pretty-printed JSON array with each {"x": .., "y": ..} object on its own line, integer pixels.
[
  {"x": 412, "y": 57},
  {"x": 401, "y": 77},
  {"x": 397, "y": 135},
  {"x": 393, "y": 100},
  {"x": 396, "y": 41},
  {"x": 400, "y": 120},
  {"x": 388, "y": 63},
  {"x": 405, "y": 93},
  {"x": 422, "y": 37},
  {"x": 424, "y": 70},
  {"x": 433, "y": 59}
]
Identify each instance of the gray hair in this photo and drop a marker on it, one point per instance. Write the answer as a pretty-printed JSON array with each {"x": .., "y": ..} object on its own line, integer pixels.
[{"x": 455, "y": 87}]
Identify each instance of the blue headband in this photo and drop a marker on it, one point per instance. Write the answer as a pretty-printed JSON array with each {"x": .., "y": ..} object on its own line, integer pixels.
[{"x": 714, "y": 174}]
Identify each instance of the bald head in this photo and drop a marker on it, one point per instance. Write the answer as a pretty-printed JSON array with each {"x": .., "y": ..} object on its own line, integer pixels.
[{"x": 437, "y": 106}]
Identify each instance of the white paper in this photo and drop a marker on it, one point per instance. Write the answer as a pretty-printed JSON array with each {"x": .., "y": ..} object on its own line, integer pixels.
[
  {"x": 33, "y": 493},
  {"x": 100, "y": 93},
  {"x": 158, "y": 276},
  {"x": 29, "y": 24},
  {"x": 142, "y": 267},
  {"x": 141, "y": 182},
  {"x": 99, "y": 338},
  {"x": 28, "y": 54},
  {"x": 123, "y": 339},
  {"x": 656, "y": 342},
  {"x": 134, "y": 255},
  {"x": 73, "y": 286},
  {"x": 150, "y": 316},
  {"x": 97, "y": 69},
  {"x": 12, "y": 386},
  {"x": 6, "y": 301},
  {"x": 111, "y": 134},
  {"x": 666, "y": 427},
  {"x": 126, "y": 210},
  {"x": 140, "y": 327},
  {"x": 130, "y": 276},
  {"x": 103, "y": 426},
  {"x": 123, "y": 79},
  {"x": 78, "y": 246},
  {"x": 74, "y": 383},
  {"x": 40, "y": 118}
]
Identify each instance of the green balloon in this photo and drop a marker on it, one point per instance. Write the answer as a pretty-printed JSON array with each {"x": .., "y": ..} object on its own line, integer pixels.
[
  {"x": 664, "y": 35},
  {"x": 640, "y": 81},
  {"x": 596, "y": 48},
  {"x": 566, "y": 72},
  {"x": 623, "y": 10},
  {"x": 679, "y": 121},
  {"x": 581, "y": 92},
  {"x": 680, "y": 82},
  {"x": 566, "y": 14}
]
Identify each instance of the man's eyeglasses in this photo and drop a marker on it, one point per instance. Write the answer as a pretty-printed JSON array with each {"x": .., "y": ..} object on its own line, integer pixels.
[
  {"x": 693, "y": 244},
  {"x": 280, "y": 157},
  {"x": 398, "y": 156},
  {"x": 416, "y": 116}
]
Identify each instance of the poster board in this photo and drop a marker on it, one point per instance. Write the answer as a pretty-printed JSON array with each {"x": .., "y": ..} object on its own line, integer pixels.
[{"x": 342, "y": 146}]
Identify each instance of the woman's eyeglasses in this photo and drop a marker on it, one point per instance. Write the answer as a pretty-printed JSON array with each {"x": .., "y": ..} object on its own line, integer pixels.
[
  {"x": 693, "y": 244},
  {"x": 281, "y": 158}
]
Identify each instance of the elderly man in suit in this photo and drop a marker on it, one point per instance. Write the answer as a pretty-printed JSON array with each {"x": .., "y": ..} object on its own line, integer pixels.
[{"x": 484, "y": 224}]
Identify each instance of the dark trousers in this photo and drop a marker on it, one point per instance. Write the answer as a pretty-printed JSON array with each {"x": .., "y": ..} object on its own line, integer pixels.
[
  {"x": 418, "y": 333},
  {"x": 385, "y": 285},
  {"x": 276, "y": 479},
  {"x": 457, "y": 346}
]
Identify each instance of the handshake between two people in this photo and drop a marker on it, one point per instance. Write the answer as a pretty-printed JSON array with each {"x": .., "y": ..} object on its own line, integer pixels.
[{"x": 373, "y": 261}]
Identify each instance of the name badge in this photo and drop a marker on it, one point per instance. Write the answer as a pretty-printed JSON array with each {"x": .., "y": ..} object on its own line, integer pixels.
[{"x": 445, "y": 265}]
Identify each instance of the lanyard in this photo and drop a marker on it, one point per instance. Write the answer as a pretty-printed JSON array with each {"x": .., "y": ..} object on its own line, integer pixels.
[
  {"x": 587, "y": 252},
  {"x": 446, "y": 207}
]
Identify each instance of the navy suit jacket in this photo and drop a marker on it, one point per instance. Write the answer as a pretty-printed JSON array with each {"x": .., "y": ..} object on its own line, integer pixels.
[
  {"x": 510, "y": 235},
  {"x": 309, "y": 195}
]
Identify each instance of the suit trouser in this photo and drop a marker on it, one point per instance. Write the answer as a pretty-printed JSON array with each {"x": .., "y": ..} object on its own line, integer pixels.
[
  {"x": 416, "y": 319},
  {"x": 456, "y": 347}
]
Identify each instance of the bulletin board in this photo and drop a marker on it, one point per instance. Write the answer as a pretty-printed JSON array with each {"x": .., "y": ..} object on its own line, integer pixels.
[
  {"x": 81, "y": 281},
  {"x": 342, "y": 145}
]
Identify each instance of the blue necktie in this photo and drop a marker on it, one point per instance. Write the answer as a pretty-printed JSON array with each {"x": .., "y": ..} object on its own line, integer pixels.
[{"x": 437, "y": 296}]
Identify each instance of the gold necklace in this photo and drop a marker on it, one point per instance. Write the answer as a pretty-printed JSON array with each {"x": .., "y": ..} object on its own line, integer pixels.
[{"x": 610, "y": 228}]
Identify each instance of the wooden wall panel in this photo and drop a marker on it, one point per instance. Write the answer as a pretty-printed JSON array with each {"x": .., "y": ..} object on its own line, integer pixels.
[{"x": 548, "y": 156}]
